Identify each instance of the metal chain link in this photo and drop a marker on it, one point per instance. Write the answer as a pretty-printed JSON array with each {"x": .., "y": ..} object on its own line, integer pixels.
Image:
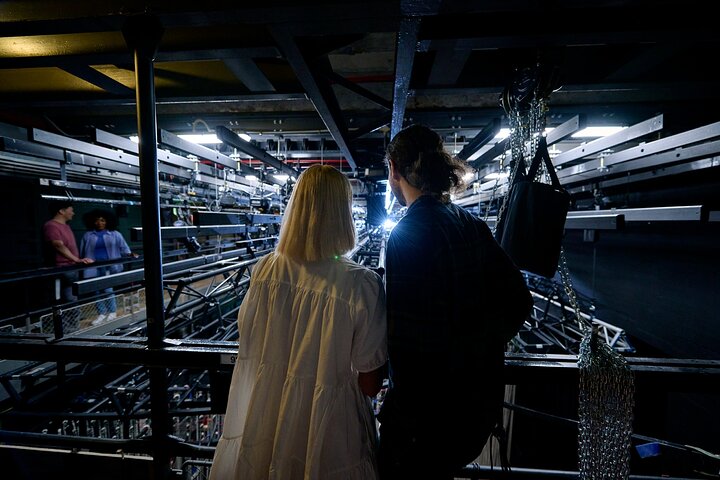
[
  {"x": 606, "y": 400},
  {"x": 607, "y": 389},
  {"x": 605, "y": 412},
  {"x": 524, "y": 130},
  {"x": 584, "y": 324}
]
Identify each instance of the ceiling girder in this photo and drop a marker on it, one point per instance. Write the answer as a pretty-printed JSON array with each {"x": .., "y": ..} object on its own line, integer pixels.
[
  {"x": 404, "y": 57},
  {"x": 320, "y": 95},
  {"x": 231, "y": 138}
]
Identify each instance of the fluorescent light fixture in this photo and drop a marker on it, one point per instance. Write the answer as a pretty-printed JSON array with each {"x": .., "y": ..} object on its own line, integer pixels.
[
  {"x": 201, "y": 139},
  {"x": 297, "y": 155},
  {"x": 281, "y": 176},
  {"x": 505, "y": 132},
  {"x": 251, "y": 177},
  {"x": 502, "y": 134},
  {"x": 495, "y": 175},
  {"x": 596, "y": 132}
]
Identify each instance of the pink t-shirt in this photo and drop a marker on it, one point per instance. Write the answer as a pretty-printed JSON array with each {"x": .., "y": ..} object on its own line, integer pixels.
[{"x": 53, "y": 230}]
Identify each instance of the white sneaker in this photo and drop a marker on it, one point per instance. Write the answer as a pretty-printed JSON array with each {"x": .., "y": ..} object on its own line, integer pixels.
[
  {"x": 111, "y": 316},
  {"x": 100, "y": 319}
]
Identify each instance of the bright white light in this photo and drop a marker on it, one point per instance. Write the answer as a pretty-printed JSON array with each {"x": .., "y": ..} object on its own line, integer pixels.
[
  {"x": 201, "y": 139},
  {"x": 495, "y": 175},
  {"x": 503, "y": 133},
  {"x": 245, "y": 136},
  {"x": 596, "y": 132},
  {"x": 281, "y": 176},
  {"x": 389, "y": 224},
  {"x": 251, "y": 177},
  {"x": 469, "y": 176}
]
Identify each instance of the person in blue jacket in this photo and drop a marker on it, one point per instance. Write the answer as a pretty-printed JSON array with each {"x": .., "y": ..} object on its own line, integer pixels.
[{"x": 101, "y": 243}]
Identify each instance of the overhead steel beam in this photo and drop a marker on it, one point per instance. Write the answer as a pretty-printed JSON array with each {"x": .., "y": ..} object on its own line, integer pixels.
[
  {"x": 229, "y": 137},
  {"x": 654, "y": 174},
  {"x": 247, "y": 71},
  {"x": 682, "y": 213},
  {"x": 674, "y": 148},
  {"x": 590, "y": 220},
  {"x": 404, "y": 58},
  {"x": 636, "y": 131},
  {"x": 98, "y": 79},
  {"x": 120, "y": 58},
  {"x": 556, "y": 134},
  {"x": 363, "y": 92},
  {"x": 371, "y": 126},
  {"x": 322, "y": 97},
  {"x": 482, "y": 138},
  {"x": 201, "y": 151},
  {"x": 450, "y": 59}
]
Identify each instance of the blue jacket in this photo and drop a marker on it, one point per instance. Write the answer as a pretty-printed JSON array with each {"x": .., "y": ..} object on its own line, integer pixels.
[{"x": 115, "y": 245}]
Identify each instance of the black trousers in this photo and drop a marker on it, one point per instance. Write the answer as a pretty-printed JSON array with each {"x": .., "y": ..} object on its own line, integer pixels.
[{"x": 432, "y": 444}]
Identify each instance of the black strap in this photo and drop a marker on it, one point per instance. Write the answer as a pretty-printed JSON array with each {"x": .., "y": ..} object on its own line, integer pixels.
[
  {"x": 501, "y": 435},
  {"x": 520, "y": 170},
  {"x": 542, "y": 154}
]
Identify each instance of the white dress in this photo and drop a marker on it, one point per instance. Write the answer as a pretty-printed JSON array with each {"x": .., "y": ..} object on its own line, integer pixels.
[{"x": 295, "y": 409}]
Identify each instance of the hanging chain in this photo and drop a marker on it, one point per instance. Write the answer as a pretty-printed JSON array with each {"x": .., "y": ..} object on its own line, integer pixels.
[
  {"x": 606, "y": 400},
  {"x": 525, "y": 131},
  {"x": 605, "y": 411},
  {"x": 584, "y": 324}
]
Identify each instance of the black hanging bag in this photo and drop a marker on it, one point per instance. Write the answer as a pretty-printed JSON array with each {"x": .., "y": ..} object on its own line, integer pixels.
[{"x": 532, "y": 228}]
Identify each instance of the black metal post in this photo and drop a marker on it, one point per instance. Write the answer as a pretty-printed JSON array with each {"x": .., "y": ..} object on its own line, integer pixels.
[{"x": 142, "y": 34}]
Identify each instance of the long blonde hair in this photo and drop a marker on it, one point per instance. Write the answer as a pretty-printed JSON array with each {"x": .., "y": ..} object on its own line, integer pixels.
[{"x": 318, "y": 222}]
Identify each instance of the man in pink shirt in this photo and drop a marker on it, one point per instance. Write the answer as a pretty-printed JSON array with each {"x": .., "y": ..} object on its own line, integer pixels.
[{"x": 60, "y": 240}]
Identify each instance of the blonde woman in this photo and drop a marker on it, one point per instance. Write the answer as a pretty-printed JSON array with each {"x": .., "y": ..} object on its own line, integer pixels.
[{"x": 312, "y": 347}]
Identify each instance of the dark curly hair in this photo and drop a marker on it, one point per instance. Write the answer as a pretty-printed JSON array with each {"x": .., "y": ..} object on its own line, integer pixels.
[
  {"x": 419, "y": 156},
  {"x": 109, "y": 216}
]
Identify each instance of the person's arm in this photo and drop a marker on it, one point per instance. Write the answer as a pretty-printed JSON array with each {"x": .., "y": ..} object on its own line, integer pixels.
[
  {"x": 60, "y": 247},
  {"x": 371, "y": 382},
  {"x": 369, "y": 353},
  {"x": 124, "y": 247}
]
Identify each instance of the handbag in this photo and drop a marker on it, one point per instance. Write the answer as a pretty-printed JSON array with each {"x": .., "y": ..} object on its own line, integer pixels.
[{"x": 532, "y": 230}]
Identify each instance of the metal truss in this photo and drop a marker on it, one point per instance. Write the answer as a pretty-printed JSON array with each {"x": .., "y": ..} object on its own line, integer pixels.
[{"x": 554, "y": 327}]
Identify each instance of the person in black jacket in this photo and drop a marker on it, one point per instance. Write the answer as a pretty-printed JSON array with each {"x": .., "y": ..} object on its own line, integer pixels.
[{"x": 454, "y": 300}]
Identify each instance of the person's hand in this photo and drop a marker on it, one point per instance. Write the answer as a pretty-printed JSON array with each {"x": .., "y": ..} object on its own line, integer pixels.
[
  {"x": 134, "y": 255},
  {"x": 86, "y": 260}
]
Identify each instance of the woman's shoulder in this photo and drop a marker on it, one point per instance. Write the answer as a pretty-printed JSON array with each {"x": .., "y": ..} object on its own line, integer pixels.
[{"x": 360, "y": 274}]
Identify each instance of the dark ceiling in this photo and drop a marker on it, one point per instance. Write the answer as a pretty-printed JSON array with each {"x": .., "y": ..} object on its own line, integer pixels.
[{"x": 335, "y": 79}]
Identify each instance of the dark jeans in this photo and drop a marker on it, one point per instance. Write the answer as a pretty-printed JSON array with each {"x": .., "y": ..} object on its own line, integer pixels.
[
  {"x": 71, "y": 317},
  {"x": 66, "y": 281},
  {"x": 434, "y": 443}
]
